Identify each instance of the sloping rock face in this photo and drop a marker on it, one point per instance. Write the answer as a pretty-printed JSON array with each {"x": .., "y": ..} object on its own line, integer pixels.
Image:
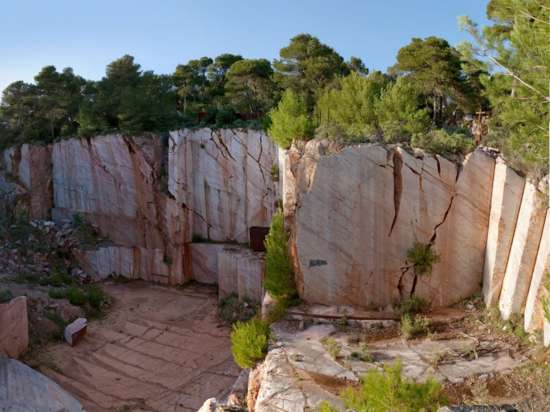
[
  {"x": 23, "y": 389},
  {"x": 224, "y": 179},
  {"x": 354, "y": 214}
]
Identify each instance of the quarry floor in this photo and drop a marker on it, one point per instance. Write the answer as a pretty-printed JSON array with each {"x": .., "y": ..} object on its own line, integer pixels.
[{"x": 158, "y": 349}]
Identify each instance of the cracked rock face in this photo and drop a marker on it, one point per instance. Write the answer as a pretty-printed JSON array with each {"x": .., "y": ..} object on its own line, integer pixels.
[
  {"x": 355, "y": 213},
  {"x": 224, "y": 179}
]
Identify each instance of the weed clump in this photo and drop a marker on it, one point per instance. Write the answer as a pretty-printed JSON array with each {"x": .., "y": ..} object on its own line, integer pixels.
[
  {"x": 231, "y": 309},
  {"x": 76, "y": 296},
  {"x": 332, "y": 347},
  {"x": 5, "y": 295},
  {"x": 388, "y": 390},
  {"x": 413, "y": 326},
  {"x": 249, "y": 342}
]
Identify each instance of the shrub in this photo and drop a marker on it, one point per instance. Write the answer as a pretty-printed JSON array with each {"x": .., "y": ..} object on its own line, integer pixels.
[
  {"x": 412, "y": 326},
  {"x": 279, "y": 276},
  {"x": 422, "y": 257},
  {"x": 290, "y": 121},
  {"x": 413, "y": 306},
  {"x": 96, "y": 296},
  {"x": 388, "y": 390},
  {"x": 76, "y": 296},
  {"x": 325, "y": 406},
  {"x": 398, "y": 112},
  {"x": 249, "y": 342},
  {"x": 332, "y": 347},
  {"x": 5, "y": 295},
  {"x": 364, "y": 354},
  {"x": 57, "y": 293},
  {"x": 347, "y": 111},
  {"x": 231, "y": 309},
  {"x": 442, "y": 142},
  {"x": 86, "y": 233}
]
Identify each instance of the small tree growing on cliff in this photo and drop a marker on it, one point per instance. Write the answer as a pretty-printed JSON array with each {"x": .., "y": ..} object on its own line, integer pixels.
[
  {"x": 421, "y": 258},
  {"x": 279, "y": 279}
]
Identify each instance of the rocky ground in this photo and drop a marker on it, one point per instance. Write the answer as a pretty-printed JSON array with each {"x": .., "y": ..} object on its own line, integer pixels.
[
  {"x": 158, "y": 349},
  {"x": 478, "y": 359}
]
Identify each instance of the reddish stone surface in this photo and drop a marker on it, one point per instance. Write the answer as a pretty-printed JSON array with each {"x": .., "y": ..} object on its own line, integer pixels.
[{"x": 14, "y": 328}]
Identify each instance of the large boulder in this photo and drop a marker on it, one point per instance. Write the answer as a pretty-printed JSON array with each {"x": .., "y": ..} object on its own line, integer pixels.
[{"x": 23, "y": 389}]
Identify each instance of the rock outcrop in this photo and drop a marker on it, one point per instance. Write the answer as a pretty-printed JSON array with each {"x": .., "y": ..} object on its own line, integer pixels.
[
  {"x": 23, "y": 389},
  {"x": 354, "y": 214}
]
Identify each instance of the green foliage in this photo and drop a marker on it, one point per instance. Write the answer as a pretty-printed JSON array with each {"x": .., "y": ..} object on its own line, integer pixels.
[
  {"x": 331, "y": 346},
  {"x": 422, "y": 257},
  {"x": 86, "y": 233},
  {"x": 231, "y": 309},
  {"x": 348, "y": 108},
  {"x": 306, "y": 66},
  {"x": 5, "y": 295},
  {"x": 325, "y": 406},
  {"x": 435, "y": 68},
  {"x": 413, "y": 306},
  {"x": 413, "y": 325},
  {"x": 442, "y": 142},
  {"x": 279, "y": 277},
  {"x": 95, "y": 296},
  {"x": 364, "y": 354},
  {"x": 516, "y": 51},
  {"x": 249, "y": 342},
  {"x": 76, "y": 296},
  {"x": 290, "y": 121},
  {"x": 57, "y": 293},
  {"x": 388, "y": 390},
  {"x": 250, "y": 88},
  {"x": 399, "y": 113}
]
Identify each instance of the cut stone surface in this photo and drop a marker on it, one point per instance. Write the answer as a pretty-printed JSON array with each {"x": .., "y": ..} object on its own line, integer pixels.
[
  {"x": 533, "y": 316},
  {"x": 241, "y": 273},
  {"x": 75, "y": 331},
  {"x": 224, "y": 178},
  {"x": 204, "y": 261},
  {"x": 359, "y": 210},
  {"x": 23, "y": 389},
  {"x": 159, "y": 349},
  {"x": 523, "y": 253},
  {"x": 14, "y": 327},
  {"x": 505, "y": 203}
]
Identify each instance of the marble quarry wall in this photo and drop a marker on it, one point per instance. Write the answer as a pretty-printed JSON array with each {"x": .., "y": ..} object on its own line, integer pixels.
[{"x": 353, "y": 213}]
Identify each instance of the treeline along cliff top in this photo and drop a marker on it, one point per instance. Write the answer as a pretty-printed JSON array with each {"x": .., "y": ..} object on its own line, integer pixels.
[{"x": 493, "y": 90}]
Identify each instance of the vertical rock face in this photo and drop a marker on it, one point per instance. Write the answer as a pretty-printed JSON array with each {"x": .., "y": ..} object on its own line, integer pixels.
[
  {"x": 241, "y": 272},
  {"x": 30, "y": 167},
  {"x": 505, "y": 203},
  {"x": 224, "y": 179},
  {"x": 356, "y": 212},
  {"x": 523, "y": 253},
  {"x": 14, "y": 329},
  {"x": 116, "y": 183},
  {"x": 534, "y": 316}
]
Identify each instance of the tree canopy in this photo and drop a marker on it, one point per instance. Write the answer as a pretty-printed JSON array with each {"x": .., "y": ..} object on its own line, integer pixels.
[{"x": 431, "y": 97}]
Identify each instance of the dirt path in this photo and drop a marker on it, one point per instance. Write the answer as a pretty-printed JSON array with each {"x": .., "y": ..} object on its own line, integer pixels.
[{"x": 159, "y": 349}]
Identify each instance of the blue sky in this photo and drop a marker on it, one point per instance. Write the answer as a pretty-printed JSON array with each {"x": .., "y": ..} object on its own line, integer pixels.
[{"x": 88, "y": 34}]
